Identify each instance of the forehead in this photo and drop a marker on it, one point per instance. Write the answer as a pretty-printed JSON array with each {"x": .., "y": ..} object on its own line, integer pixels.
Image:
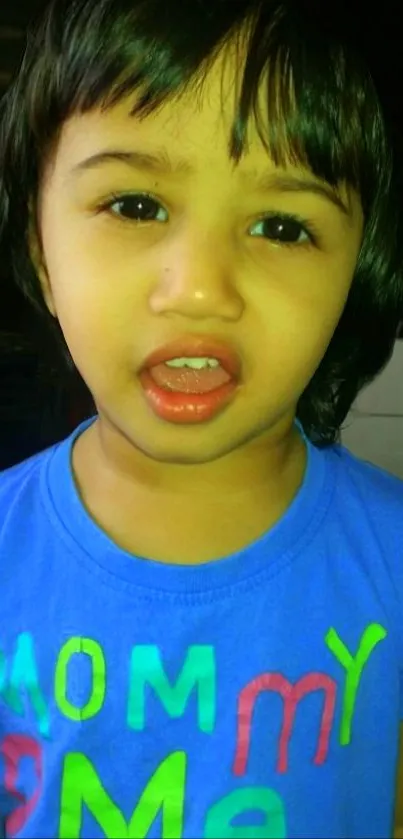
[
  {"x": 196, "y": 124},
  {"x": 193, "y": 130}
]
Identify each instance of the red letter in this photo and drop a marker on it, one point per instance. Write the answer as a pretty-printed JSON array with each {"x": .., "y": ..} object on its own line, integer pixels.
[
  {"x": 14, "y": 747},
  {"x": 291, "y": 695}
]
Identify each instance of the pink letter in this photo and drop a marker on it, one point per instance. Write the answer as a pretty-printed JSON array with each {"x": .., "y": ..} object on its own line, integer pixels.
[
  {"x": 291, "y": 695},
  {"x": 14, "y": 747}
]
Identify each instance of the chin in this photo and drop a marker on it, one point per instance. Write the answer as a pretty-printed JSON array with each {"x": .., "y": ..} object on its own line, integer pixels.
[{"x": 184, "y": 455}]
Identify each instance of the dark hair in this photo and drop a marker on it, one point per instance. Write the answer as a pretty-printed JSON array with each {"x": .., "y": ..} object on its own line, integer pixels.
[{"x": 328, "y": 111}]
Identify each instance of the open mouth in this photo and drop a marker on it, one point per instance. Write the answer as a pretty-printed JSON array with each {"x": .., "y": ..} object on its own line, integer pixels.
[
  {"x": 193, "y": 386},
  {"x": 195, "y": 375}
]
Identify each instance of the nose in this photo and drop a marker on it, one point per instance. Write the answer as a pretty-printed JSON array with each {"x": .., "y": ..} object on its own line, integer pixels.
[{"x": 197, "y": 281}]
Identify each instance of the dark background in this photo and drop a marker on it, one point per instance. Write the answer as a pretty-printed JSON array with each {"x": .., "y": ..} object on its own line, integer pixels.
[
  {"x": 37, "y": 408},
  {"x": 15, "y": 15}
]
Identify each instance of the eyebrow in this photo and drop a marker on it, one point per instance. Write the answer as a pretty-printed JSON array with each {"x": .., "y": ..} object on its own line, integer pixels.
[{"x": 161, "y": 164}]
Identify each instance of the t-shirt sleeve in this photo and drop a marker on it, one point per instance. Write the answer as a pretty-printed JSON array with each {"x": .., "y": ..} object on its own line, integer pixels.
[{"x": 382, "y": 495}]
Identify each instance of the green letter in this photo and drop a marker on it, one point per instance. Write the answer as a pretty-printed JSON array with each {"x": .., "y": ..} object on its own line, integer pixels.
[
  {"x": 81, "y": 786},
  {"x": 373, "y": 634},
  {"x": 96, "y": 700}
]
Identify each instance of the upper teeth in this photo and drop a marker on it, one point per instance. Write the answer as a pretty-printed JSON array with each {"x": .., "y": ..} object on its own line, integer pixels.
[{"x": 195, "y": 363}]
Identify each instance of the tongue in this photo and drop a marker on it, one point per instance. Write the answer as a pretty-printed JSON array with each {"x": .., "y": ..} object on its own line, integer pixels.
[{"x": 187, "y": 380}]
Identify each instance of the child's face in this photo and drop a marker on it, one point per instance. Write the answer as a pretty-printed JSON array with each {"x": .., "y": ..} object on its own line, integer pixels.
[{"x": 200, "y": 267}]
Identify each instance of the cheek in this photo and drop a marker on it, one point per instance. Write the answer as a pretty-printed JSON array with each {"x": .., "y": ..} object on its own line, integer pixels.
[
  {"x": 299, "y": 317},
  {"x": 94, "y": 305}
]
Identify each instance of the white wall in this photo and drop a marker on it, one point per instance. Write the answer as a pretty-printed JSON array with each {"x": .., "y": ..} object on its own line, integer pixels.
[{"x": 373, "y": 430}]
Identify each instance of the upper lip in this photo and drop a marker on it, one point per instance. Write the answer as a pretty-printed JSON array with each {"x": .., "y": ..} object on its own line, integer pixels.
[{"x": 197, "y": 347}]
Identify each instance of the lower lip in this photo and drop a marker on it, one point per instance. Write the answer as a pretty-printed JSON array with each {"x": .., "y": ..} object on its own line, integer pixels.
[{"x": 186, "y": 408}]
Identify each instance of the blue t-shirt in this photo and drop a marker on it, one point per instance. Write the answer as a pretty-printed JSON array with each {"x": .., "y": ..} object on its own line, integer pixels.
[{"x": 255, "y": 696}]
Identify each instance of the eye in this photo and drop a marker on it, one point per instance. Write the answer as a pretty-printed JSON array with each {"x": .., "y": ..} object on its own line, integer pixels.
[
  {"x": 285, "y": 230},
  {"x": 135, "y": 207}
]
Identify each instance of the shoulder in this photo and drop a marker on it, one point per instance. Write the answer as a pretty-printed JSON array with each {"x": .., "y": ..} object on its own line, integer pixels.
[
  {"x": 15, "y": 481},
  {"x": 370, "y": 483},
  {"x": 367, "y": 509},
  {"x": 20, "y": 486},
  {"x": 27, "y": 489},
  {"x": 14, "y": 476}
]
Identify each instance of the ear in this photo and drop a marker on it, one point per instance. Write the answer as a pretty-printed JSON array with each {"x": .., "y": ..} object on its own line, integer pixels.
[{"x": 38, "y": 259}]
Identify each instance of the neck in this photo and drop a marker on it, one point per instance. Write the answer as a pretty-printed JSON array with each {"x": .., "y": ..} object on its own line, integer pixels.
[
  {"x": 258, "y": 463},
  {"x": 187, "y": 513}
]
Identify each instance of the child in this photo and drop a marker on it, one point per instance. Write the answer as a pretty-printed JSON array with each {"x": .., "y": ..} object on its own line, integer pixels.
[{"x": 201, "y": 589}]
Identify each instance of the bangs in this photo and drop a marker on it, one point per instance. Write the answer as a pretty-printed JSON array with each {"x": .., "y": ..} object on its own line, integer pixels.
[{"x": 306, "y": 87}]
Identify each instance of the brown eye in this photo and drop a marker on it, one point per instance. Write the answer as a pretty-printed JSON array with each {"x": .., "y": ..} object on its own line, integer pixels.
[
  {"x": 284, "y": 230},
  {"x": 136, "y": 207}
]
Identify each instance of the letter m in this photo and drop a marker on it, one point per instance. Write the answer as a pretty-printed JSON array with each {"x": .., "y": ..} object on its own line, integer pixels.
[
  {"x": 198, "y": 671},
  {"x": 291, "y": 695}
]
